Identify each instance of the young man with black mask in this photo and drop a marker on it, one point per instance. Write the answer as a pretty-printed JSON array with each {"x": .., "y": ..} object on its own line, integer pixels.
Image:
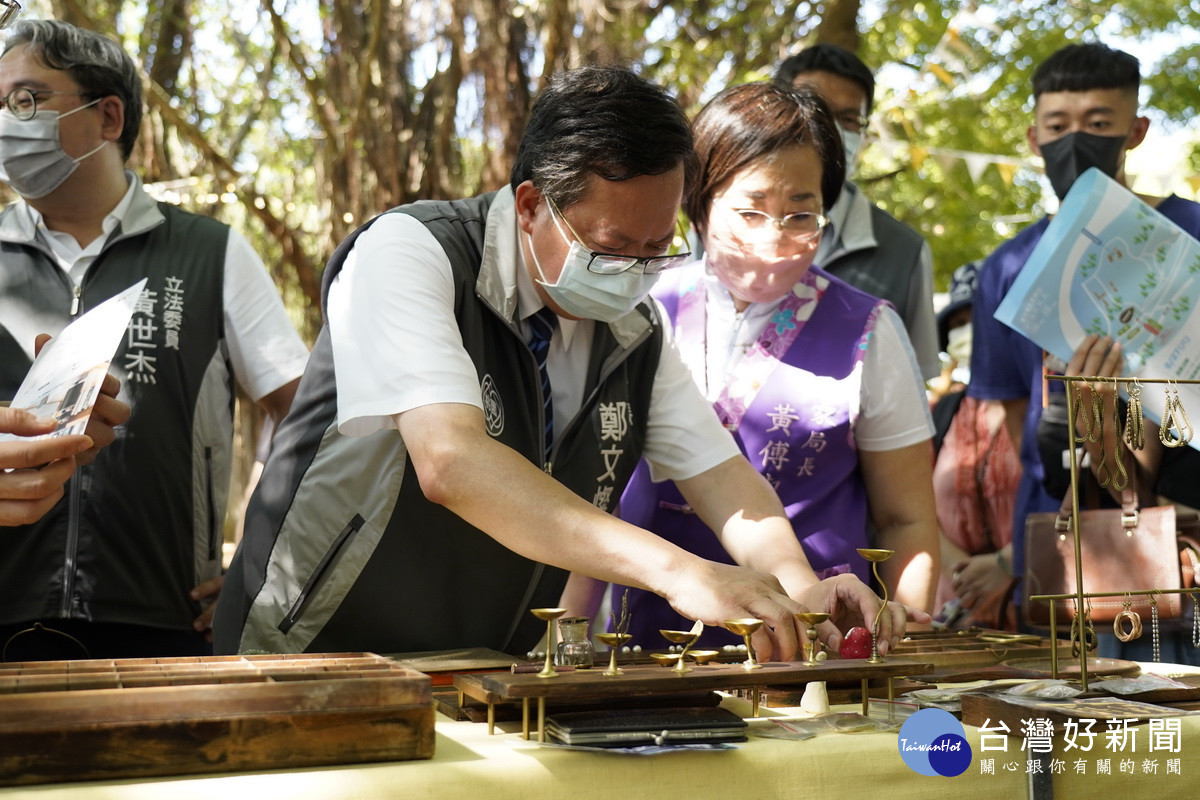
[{"x": 1085, "y": 115}]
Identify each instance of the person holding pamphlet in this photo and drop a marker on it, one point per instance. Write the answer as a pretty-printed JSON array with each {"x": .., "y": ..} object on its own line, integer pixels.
[
  {"x": 1085, "y": 115},
  {"x": 33, "y": 470},
  {"x": 129, "y": 561}
]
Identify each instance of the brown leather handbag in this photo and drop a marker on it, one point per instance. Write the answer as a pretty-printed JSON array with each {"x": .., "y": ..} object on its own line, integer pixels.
[{"x": 1127, "y": 549}]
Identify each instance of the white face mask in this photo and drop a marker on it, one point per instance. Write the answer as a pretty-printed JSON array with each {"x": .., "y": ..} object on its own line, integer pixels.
[
  {"x": 851, "y": 143},
  {"x": 32, "y": 160},
  {"x": 590, "y": 295},
  {"x": 958, "y": 344}
]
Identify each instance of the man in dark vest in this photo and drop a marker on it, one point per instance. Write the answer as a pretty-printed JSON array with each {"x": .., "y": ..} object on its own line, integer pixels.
[
  {"x": 127, "y": 562},
  {"x": 488, "y": 378},
  {"x": 864, "y": 245}
]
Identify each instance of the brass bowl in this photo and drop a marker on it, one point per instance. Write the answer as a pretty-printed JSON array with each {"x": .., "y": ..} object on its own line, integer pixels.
[
  {"x": 812, "y": 617},
  {"x": 613, "y": 640},
  {"x": 547, "y": 614},
  {"x": 677, "y": 637},
  {"x": 743, "y": 627},
  {"x": 703, "y": 656},
  {"x": 875, "y": 555},
  {"x": 664, "y": 659}
]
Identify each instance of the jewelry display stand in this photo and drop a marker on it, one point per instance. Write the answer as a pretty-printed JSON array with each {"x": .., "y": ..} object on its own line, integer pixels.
[{"x": 1174, "y": 418}]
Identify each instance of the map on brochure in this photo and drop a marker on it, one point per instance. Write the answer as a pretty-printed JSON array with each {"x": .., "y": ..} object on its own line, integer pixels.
[
  {"x": 65, "y": 378},
  {"x": 1110, "y": 264}
]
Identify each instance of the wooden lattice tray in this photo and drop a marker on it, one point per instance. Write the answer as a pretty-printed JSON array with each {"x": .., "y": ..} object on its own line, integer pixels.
[
  {"x": 493, "y": 688},
  {"x": 974, "y": 647},
  {"x": 100, "y": 719}
]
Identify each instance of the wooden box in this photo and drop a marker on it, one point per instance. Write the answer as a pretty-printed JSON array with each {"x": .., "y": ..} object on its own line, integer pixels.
[{"x": 104, "y": 719}]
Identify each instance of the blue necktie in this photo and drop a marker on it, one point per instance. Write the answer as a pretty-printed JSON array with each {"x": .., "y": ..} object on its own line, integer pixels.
[{"x": 541, "y": 326}]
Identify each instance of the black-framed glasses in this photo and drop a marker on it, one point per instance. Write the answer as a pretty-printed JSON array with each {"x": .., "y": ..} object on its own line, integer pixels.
[
  {"x": 852, "y": 121},
  {"x": 8, "y": 10},
  {"x": 804, "y": 224},
  {"x": 22, "y": 103},
  {"x": 614, "y": 263}
]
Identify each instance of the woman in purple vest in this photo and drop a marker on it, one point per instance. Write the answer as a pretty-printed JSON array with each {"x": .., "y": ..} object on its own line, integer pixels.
[{"x": 815, "y": 379}]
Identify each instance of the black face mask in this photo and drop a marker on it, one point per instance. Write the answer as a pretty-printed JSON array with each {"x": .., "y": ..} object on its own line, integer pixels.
[{"x": 1069, "y": 156}]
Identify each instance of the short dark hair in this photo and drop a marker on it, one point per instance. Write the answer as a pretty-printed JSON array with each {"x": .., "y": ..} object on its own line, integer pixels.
[
  {"x": 1080, "y": 67},
  {"x": 829, "y": 58},
  {"x": 99, "y": 65},
  {"x": 604, "y": 121},
  {"x": 746, "y": 122}
]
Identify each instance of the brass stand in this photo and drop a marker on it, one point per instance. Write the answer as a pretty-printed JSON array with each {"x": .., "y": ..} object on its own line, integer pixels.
[
  {"x": 812, "y": 619},
  {"x": 687, "y": 639},
  {"x": 746, "y": 628},
  {"x": 877, "y": 556},
  {"x": 614, "y": 641},
  {"x": 549, "y": 615}
]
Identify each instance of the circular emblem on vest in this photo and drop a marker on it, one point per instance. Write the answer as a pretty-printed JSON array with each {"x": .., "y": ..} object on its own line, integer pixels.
[{"x": 493, "y": 409}]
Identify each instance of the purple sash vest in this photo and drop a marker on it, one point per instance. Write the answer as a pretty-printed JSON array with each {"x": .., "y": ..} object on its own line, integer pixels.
[{"x": 790, "y": 404}]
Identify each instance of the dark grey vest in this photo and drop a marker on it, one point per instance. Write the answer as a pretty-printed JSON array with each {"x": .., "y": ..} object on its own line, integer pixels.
[
  {"x": 141, "y": 525},
  {"x": 886, "y": 270},
  {"x": 343, "y": 552}
]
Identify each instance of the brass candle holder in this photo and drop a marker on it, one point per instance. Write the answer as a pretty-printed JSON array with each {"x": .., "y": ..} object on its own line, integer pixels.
[
  {"x": 746, "y": 628},
  {"x": 613, "y": 641},
  {"x": 877, "y": 556},
  {"x": 687, "y": 639},
  {"x": 811, "y": 620},
  {"x": 548, "y": 615}
]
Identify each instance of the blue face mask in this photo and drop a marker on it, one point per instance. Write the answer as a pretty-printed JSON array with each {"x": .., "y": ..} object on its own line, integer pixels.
[
  {"x": 851, "y": 142},
  {"x": 32, "y": 160},
  {"x": 585, "y": 294}
]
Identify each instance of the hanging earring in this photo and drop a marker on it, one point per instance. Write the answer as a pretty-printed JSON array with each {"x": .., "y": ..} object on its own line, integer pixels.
[
  {"x": 1127, "y": 614},
  {"x": 1154, "y": 645},
  {"x": 1120, "y": 477},
  {"x": 1185, "y": 429},
  {"x": 1135, "y": 431},
  {"x": 1195, "y": 621},
  {"x": 1090, "y": 639},
  {"x": 1103, "y": 476},
  {"x": 1083, "y": 421},
  {"x": 1170, "y": 421},
  {"x": 1096, "y": 434},
  {"x": 1075, "y": 636}
]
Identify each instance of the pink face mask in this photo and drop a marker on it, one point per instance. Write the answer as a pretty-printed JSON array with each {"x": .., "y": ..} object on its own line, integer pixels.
[{"x": 759, "y": 268}]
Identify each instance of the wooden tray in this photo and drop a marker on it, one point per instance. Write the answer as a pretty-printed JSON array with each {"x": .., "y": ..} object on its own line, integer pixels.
[
  {"x": 102, "y": 719},
  {"x": 953, "y": 651},
  {"x": 499, "y": 687},
  {"x": 992, "y": 708}
]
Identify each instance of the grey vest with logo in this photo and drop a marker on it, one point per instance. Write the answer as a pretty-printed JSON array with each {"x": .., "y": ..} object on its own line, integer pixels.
[
  {"x": 343, "y": 552},
  {"x": 141, "y": 525}
]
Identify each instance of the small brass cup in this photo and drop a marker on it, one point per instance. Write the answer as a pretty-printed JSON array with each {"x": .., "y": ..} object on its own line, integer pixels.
[
  {"x": 746, "y": 628},
  {"x": 549, "y": 615},
  {"x": 614, "y": 642}
]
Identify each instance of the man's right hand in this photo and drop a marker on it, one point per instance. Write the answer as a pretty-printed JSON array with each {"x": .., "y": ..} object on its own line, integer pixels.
[
  {"x": 32, "y": 472},
  {"x": 713, "y": 593}
]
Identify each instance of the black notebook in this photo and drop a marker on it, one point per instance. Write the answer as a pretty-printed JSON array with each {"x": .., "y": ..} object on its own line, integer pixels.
[{"x": 632, "y": 727}]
